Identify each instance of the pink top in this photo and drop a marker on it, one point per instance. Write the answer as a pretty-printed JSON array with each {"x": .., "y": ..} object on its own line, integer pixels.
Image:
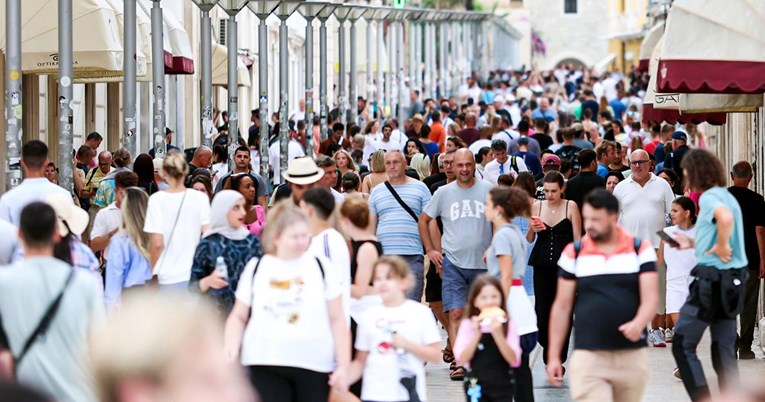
[
  {"x": 256, "y": 227},
  {"x": 465, "y": 334}
]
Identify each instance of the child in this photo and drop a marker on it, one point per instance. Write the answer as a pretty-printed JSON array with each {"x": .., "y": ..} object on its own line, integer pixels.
[
  {"x": 394, "y": 339},
  {"x": 487, "y": 343}
]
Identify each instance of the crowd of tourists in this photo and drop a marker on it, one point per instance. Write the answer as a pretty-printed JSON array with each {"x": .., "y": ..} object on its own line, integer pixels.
[{"x": 525, "y": 208}]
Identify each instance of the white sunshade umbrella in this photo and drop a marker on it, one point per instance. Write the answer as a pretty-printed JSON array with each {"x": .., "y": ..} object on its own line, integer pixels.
[
  {"x": 649, "y": 43},
  {"x": 96, "y": 38},
  {"x": 220, "y": 67},
  {"x": 714, "y": 47}
]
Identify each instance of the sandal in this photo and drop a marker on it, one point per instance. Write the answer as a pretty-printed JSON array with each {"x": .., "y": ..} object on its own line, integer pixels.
[
  {"x": 458, "y": 374},
  {"x": 447, "y": 355},
  {"x": 453, "y": 366}
]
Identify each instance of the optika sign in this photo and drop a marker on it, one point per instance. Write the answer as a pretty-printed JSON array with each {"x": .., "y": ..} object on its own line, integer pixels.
[{"x": 53, "y": 61}]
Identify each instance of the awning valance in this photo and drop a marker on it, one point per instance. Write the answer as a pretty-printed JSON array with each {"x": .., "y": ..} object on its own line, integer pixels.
[
  {"x": 714, "y": 47},
  {"x": 649, "y": 43},
  {"x": 220, "y": 67}
]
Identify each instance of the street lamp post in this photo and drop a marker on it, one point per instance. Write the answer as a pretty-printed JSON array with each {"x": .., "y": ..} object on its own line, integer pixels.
[
  {"x": 65, "y": 93},
  {"x": 129, "y": 86},
  {"x": 309, "y": 10},
  {"x": 205, "y": 107},
  {"x": 158, "y": 79},
  {"x": 379, "y": 16},
  {"x": 442, "y": 41},
  {"x": 283, "y": 11},
  {"x": 341, "y": 13},
  {"x": 400, "y": 63},
  {"x": 355, "y": 13},
  {"x": 13, "y": 93},
  {"x": 323, "y": 16},
  {"x": 262, "y": 9},
  {"x": 232, "y": 8}
]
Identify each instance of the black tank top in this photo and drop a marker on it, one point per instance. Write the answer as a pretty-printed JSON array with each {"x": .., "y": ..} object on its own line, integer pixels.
[
  {"x": 552, "y": 241},
  {"x": 355, "y": 245}
]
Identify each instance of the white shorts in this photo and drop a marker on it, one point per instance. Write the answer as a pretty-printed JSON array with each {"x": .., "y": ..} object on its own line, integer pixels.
[{"x": 677, "y": 292}]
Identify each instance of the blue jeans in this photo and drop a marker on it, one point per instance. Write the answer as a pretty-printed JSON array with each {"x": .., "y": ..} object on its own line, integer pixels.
[
  {"x": 456, "y": 284},
  {"x": 417, "y": 266}
]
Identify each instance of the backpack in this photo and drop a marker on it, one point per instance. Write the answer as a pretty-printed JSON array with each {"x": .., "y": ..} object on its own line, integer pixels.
[
  {"x": 636, "y": 243},
  {"x": 514, "y": 164}
]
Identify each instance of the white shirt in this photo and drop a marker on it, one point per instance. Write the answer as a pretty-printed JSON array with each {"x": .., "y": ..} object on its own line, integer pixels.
[
  {"x": 679, "y": 262},
  {"x": 106, "y": 221},
  {"x": 396, "y": 137},
  {"x": 289, "y": 322},
  {"x": 297, "y": 115},
  {"x": 370, "y": 147},
  {"x": 294, "y": 150},
  {"x": 174, "y": 264},
  {"x": 332, "y": 245},
  {"x": 9, "y": 242},
  {"x": 219, "y": 170},
  {"x": 492, "y": 169},
  {"x": 476, "y": 146},
  {"x": 385, "y": 366},
  {"x": 29, "y": 191},
  {"x": 642, "y": 210},
  {"x": 505, "y": 135}
]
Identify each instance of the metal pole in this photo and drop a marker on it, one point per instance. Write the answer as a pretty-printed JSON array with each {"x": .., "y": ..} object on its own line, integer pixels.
[
  {"x": 323, "y": 77},
  {"x": 65, "y": 93},
  {"x": 263, "y": 88},
  {"x": 417, "y": 79},
  {"x": 400, "y": 56},
  {"x": 428, "y": 56},
  {"x": 369, "y": 73},
  {"x": 206, "y": 101},
  {"x": 13, "y": 93},
  {"x": 391, "y": 83},
  {"x": 233, "y": 89},
  {"x": 129, "y": 87},
  {"x": 442, "y": 41},
  {"x": 433, "y": 64},
  {"x": 380, "y": 79},
  {"x": 352, "y": 78},
  {"x": 341, "y": 79},
  {"x": 284, "y": 100},
  {"x": 413, "y": 54},
  {"x": 158, "y": 77},
  {"x": 309, "y": 86}
]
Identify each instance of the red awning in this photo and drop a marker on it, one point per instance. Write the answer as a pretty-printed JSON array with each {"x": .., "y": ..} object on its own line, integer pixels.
[
  {"x": 711, "y": 76},
  {"x": 659, "y": 116}
]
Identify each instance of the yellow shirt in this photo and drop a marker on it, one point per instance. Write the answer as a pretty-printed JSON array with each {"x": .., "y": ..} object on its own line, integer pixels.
[{"x": 93, "y": 179}]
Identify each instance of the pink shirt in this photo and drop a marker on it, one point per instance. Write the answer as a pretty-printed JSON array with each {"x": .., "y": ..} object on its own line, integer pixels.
[
  {"x": 256, "y": 227},
  {"x": 465, "y": 334}
]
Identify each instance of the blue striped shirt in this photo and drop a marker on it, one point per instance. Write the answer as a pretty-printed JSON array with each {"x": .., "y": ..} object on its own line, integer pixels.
[{"x": 396, "y": 229}]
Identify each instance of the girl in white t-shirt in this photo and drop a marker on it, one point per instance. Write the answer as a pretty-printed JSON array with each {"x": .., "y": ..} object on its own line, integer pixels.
[
  {"x": 394, "y": 339},
  {"x": 679, "y": 262},
  {"x": 288, "y": 325},
  {"x": 488, "y": 343}
]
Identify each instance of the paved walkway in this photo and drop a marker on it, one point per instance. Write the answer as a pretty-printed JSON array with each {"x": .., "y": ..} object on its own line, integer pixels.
[{"x": 662, "y": 386}]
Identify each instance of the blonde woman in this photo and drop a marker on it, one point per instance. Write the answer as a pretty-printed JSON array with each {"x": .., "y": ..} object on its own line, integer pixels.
[
  {"x": 345, "y": 162},
  {"x": 420, "y": 163},
  {"x": 128, "y": 258},
  {"x": 176, "y": 219},
  {"x": 378, "y": 175}
]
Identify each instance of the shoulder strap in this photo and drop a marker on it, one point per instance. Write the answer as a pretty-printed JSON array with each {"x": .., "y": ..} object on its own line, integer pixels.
[
  {"x": 514, "y": 164},
  {"x": 636, "y": 243},
  {"x": 577, "y": 248},
  {"x": 92, "y": 173},
  {"x": 47, "y": 318},
  {"x": 567, "y": 201},
  {"x": 321, "y": 267},
  {"x": 400, "y": 201},
  {"x": 175, "y": 222}
]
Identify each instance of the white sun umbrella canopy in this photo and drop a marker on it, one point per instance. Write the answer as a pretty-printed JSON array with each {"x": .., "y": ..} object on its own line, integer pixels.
[
  {"x": 96, "y": 38},
  {"x": 714, "y": 47},
  {"x": 649, "y": 43},
  {"x": 220, "y": 67}
]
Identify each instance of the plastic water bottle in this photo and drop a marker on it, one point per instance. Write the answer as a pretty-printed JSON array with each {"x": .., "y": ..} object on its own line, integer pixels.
[{"x": 220, "y": 267}]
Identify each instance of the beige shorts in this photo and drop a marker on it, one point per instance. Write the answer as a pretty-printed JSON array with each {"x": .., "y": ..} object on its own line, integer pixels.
[{"x": 608, "y": 376}]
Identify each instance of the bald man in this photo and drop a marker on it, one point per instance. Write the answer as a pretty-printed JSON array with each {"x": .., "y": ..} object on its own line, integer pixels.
[
  {"x": 202, "y": 159},
  {"x": 460, "y": 205},
  {"x": 644, "y": 203}
]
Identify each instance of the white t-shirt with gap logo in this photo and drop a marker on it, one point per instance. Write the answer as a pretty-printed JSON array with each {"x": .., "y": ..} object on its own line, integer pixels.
[
  {"x": 385, "y": 366},
  {"x": 289, "y": 322},
  {"x": 332, "y": 245},
  {"x": 174, "y": 264}
]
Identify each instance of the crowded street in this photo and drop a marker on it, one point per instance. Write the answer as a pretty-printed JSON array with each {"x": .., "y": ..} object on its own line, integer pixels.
[{"x": 382, "y": 201}]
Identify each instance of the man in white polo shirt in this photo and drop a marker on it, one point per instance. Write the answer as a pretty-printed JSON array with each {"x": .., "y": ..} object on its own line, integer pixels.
[{"x": 644, "y": 202}]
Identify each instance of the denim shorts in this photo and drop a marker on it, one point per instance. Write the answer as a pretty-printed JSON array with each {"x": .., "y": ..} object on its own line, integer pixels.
[
  {"x": 416, "y": 266},
  {"x": 456, "y": 284}
]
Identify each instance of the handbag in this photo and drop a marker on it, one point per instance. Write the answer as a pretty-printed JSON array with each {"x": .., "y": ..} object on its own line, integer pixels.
[
  {"x": 42, "y": 327},
  {"x": 154, "y": 281}
]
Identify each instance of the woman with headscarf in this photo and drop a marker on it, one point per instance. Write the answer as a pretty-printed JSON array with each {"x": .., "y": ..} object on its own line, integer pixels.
[{"x": 226, "y": 238}]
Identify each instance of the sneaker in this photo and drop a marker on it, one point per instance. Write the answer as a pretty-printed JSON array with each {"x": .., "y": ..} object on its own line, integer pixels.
[
  {"x": 676, "y": 373},
  {"x": 656, "y": 338},
  {"x": 668, "y": 335},
  {"x": 745, "y": 354}
]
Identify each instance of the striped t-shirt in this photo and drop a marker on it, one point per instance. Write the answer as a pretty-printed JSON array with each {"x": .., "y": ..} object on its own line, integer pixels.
[{"x": 396, "y": 229}]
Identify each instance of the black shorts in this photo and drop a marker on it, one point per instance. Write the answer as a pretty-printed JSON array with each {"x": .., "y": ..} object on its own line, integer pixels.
[
  {"x": 278, "y": 384},
  {"x": 432, "y": 284}
]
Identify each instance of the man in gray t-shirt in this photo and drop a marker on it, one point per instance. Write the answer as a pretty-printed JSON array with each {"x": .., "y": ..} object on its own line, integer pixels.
[{"x": 467, "y": 234}]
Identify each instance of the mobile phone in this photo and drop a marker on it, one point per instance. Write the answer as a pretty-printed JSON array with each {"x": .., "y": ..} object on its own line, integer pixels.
[{"x": 668, "y": 239}]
